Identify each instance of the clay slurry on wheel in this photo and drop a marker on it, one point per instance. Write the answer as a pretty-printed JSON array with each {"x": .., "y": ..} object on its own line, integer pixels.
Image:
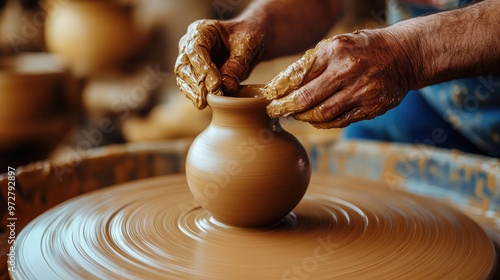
[{"x": 343, "y": 228}]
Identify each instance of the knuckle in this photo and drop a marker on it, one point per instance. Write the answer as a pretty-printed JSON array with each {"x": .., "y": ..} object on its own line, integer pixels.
[
  {"x": 201, "y": 24},
  {"x": 179, "y": 62},
  {"x": 183, "y": 41},
  {"x": 303, "y": 98},
  {"x": 235, "y": 67},
  {"x": 229, "y": 84},
  {"x": 326, "y": 112}
]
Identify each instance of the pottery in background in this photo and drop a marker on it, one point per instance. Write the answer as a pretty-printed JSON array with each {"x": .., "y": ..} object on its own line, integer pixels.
[
  {"x": 175, "y": 117},
  {"x": 93, "y": 35},
  {"x": 21, "y": 27},
  {"x": 38, "y": 106},
  {"x": 245, "y": 169}
]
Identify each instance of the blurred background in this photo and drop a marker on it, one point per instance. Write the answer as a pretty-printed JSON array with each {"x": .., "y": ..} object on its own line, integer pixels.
[{"x": 79, "y": 74}]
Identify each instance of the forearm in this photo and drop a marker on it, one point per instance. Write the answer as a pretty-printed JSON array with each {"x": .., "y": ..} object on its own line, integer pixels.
[
  {"x": 291, "y": 26},
  {"x": 454, "y": 44}
]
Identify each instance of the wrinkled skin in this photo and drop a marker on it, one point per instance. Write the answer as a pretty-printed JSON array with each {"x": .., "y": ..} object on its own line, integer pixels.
[
  {"x": 344, "y": 79},
  {"x": 215, "y": 56}
]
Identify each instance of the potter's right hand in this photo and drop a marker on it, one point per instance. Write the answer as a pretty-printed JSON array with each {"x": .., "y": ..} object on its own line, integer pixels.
[
  {"x": 346, "y": 78},
  {"x": 215, "y": 56}
]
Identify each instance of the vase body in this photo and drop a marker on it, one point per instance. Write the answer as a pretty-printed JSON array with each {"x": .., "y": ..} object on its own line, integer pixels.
[{"x": 244, "y": 169}]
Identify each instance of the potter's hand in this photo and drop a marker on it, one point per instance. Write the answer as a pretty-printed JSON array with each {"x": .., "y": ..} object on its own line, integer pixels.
[
  {"x": 346, "y": 78},
  {"x": 215, "y": 56}
]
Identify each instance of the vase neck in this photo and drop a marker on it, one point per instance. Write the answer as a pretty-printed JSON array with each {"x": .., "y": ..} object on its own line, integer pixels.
[
  {"x": 239, "y": 112},
  {"x": 247, "y": 108}
]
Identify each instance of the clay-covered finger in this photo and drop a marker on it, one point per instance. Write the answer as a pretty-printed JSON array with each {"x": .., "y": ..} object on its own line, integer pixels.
[
  {"x": 245, "y": 51},
  {"x": 232, "y": 72},
  {"x": 190, "y": 82},
  {"x": 206, "y": 70},
  {"x": 191, "y": 94},
  {"x": 197, "y": 75},
  {"x": 291, "y": 78},
  {"x": 193, "y": 90},
  {"x": 303, "y": 98},
  {"x": 187, "y": 82},
  {"x": 331, "y": 108},
  {"x": 183, "y": 41}
]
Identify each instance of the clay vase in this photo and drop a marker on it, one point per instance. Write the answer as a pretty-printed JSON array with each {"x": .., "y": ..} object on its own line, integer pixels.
[{"x": 244, "y": 169}]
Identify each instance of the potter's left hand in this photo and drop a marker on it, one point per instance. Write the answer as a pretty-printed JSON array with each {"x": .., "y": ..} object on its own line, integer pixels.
[
  {"x": 214, "y": 56},
  {"x": 346, "y": 78}
]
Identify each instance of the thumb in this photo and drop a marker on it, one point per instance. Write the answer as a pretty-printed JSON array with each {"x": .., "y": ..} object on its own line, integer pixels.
[
  {"x": 245, "y": 51},
  {"x": 233, "y": 71}
]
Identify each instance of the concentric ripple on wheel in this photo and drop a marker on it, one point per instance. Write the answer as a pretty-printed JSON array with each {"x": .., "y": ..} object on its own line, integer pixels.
[{"x": 342, "y": 229}]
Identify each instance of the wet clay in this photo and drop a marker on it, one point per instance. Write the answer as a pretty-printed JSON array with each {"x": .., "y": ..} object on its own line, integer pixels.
[
  {"x": 245, "y": 169},
  {"x": 210, "y": 61},
  {"x": 343, "y": 228},
  {"x": 281, "y": 89}
]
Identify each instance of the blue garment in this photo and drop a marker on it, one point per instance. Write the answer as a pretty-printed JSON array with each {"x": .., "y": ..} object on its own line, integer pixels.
[
  {"x": 465, "y": 111},
  {"x": 412, "y": 121}
]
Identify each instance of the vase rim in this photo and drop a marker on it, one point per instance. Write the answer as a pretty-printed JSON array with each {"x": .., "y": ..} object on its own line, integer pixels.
[{"x": 248, "y": 95}]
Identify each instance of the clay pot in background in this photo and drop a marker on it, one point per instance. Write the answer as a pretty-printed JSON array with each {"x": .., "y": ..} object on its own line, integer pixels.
[
  {"x": 244, "y": 169},
  {"x": 113, "y": 99},
  {"x": 175, "y": 117},
  {"x": 93, "y": 36},
  {"x": 38, "y": 107},
  {"x": 21, "y": 27}
]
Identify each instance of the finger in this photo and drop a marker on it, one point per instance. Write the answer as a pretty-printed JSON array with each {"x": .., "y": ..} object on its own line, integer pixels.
[
  {"x": 345, "y": 119},
  {"x": 188, "y": 83},
  {"x": 197, "y": 99},
  {"x": 202, "y": 37},
  {"x": 303, "y": 98},
  {"x": 335, "y": 105},
  {"x": 292, "y": 77},
  {"x": 233, "y": 72},
  {"x": 245, "y": 51},
  {"x": 204, "y": 69},
  {"x": 194, "y": 90},
  {"x": 191, "y": 83},
  {"x": 183, "y": 41}
]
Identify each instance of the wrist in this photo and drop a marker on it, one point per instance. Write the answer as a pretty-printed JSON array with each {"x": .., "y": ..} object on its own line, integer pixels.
[
  {"x": 407, "y": 49},
  {"x": 258, "y": 24}
]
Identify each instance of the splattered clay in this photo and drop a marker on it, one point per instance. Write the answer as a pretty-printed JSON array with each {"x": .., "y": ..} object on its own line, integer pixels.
[{"x": 343, "y": 228}]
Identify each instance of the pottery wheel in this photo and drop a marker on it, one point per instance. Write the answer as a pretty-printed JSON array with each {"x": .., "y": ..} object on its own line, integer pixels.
[{"x": 343, "y": 228}]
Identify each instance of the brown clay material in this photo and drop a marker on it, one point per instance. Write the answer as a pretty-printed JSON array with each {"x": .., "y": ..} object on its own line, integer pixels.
[
  {"x": 343, "y": 228},
  {"x": 244, "y": 169}
]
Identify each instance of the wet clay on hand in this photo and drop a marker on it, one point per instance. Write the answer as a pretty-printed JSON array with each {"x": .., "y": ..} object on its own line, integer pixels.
[
  {"x": 214, "y": 56},
  {"x": 344, "y": 79},
  {"x": 196, "y": 74},
  {"x": 343, "y": 228}
]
